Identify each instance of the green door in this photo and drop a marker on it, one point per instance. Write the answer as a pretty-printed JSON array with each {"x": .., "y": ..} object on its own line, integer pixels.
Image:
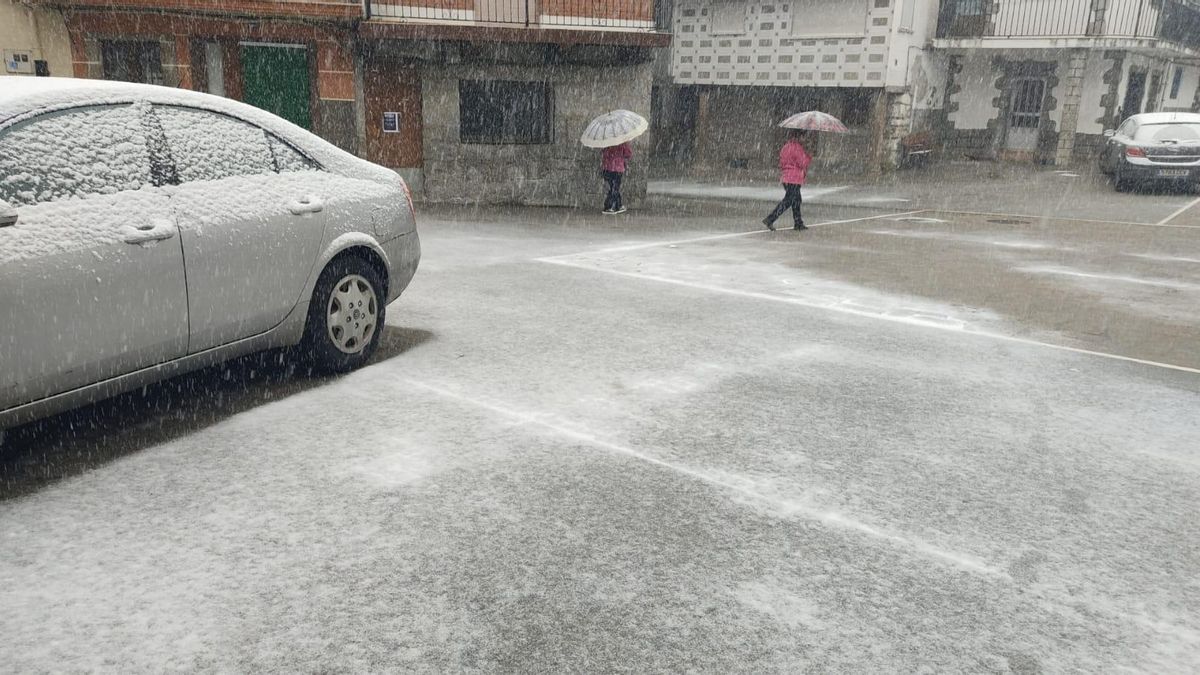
[{"x": 276, "y": 80}]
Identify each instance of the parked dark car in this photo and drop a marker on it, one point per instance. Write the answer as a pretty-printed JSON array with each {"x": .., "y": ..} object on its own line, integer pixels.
[{"x": 1153, "y": 147}]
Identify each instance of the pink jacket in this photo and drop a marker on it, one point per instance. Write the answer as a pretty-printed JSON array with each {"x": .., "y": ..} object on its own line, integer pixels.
[
  {"x": 793, "y": 163},
  {"x": 613, "y": 158}
]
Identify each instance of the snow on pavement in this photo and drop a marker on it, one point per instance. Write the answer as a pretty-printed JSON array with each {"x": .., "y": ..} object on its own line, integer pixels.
[{"x": 576, "y": 469}]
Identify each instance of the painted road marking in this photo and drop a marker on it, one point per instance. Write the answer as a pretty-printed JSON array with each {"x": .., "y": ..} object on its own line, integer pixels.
[
  {"x": 830, "y": 519},
  {"x": 1160, "y": 283},
  {"x": 1178, "y": 213},
  {"x": 714, "y": 237},
  {"x": 907, "y": 320},
  {"x": 1069, "y": 220}
]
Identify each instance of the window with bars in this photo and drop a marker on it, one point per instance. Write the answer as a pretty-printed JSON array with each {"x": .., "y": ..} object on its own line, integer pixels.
[{"x": 1027, "y": 103}]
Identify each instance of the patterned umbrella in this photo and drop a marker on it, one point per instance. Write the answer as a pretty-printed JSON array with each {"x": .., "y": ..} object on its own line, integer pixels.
[
  {"x": 814, "y": 120},
  {"x": 614, "y": 128}
]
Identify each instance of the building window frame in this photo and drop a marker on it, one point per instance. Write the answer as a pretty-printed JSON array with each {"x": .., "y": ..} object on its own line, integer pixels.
[
  {"x": 124, "y": 60},
  {"x": 505, "y": 112},
  {"x": 1176, "y": 82}
]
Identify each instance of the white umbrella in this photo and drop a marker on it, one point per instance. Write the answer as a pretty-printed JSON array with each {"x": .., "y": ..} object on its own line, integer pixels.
[
  {"x": 814, "y": 120},
  {"x": 614, "y": 128}
]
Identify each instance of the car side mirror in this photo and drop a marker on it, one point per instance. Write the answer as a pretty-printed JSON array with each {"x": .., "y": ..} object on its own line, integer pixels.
[
  {"x": 8, "y": 214},
  {"x": 1109, "y": 133}
]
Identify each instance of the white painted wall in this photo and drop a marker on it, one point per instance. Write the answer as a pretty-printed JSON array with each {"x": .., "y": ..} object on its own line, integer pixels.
[
  {"x": 977, "y": 81},
  {"x": 928, "y": 78},
  {"x": 783, "y": 43},
  {"x": 1094, "y": 89},
  {"x": 1184, "y": 101}
]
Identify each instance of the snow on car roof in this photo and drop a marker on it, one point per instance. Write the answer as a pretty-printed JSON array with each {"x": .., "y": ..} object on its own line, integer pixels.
[
  {"x": 1167, "y": 118},
  {"x": 24, "y": 96}
]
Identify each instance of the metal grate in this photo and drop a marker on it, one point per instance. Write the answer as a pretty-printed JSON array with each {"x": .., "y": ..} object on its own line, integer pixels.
[{"x": 636, "y": 15}]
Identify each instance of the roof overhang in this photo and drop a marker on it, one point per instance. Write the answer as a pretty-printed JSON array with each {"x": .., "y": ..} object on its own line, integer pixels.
[
  {"x": 1147, "y": 46},
  {"x": 470, "y": 32}
]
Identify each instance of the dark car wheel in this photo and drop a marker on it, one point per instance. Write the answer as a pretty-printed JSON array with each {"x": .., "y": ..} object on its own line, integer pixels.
[
  {"x": 345, "y": 317},
  {"x": 1121, "y": 182}
]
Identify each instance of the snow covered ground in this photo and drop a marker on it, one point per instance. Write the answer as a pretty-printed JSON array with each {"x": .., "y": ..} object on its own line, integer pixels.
[{"x": 656, "y": 443}]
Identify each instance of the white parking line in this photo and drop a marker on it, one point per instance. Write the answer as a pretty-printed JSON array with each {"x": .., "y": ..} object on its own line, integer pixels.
[
  {"x": 1159, "y": 283},
  {"x": 715, "y": 237},
  {"x": 830, "y": 519},
  {"x": 911, "y": 321},
  {"x": 1070, "y": 220},
  {"x": 1178, "y": 213}
]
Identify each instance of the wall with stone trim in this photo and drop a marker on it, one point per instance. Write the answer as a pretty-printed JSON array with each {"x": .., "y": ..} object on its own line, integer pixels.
[{"x": 560, "y": 173}]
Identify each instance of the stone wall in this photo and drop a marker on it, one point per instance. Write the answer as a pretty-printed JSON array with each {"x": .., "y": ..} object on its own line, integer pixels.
[
  {"x": 560, "y": 173},
  {"x": 736, "y": 135}
]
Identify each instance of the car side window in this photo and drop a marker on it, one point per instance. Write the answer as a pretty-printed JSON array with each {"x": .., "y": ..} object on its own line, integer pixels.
[
  {"x": 206, "y": 145},
  {"x": 287, "y": 158},
  {"x": 74, "y": 153},
  {"x": 1126, "y": 128}
]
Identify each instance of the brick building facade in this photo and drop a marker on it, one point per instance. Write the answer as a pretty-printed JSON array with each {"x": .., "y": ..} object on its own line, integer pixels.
[{"x": 471, "y": 100}]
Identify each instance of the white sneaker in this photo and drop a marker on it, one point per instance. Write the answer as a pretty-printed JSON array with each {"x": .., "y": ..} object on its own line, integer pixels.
[{"x": 620, "y": 210}]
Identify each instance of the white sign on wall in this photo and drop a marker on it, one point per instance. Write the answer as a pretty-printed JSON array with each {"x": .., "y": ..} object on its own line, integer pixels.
[{"x": 18, "y": 62}]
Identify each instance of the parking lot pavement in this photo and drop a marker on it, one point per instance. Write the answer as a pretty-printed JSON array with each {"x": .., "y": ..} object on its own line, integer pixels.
[
  {"x": 1131, "y": 290},
  {"x": 1081, "y": 192},
  {"x": 656, "y": 443}
]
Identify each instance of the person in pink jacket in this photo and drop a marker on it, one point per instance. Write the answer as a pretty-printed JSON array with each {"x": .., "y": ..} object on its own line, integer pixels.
[
  {"x": 793, "y": 169},
  {"x": 612, "y": 168}
]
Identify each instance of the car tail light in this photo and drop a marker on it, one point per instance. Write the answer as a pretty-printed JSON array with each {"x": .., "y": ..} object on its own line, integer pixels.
[
  {"x": 1134, "y": 152},
  {"x": 408, "y": 195}
]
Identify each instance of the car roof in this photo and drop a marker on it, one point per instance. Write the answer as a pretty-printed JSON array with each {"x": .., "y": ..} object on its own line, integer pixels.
[
  {"x": 23, "y": 97},
  {"x": 1166, "y": 118}
]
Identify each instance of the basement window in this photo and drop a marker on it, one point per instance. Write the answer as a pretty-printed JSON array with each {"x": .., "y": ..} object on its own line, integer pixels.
[{"x": 505, "y": 112}]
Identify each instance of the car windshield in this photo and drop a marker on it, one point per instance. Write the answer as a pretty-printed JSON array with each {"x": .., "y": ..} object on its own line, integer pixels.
[{"x": 1165, "y": 133}]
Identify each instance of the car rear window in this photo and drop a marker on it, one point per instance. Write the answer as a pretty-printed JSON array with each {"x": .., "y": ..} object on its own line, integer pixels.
[{"x": 1167, "y": 132}]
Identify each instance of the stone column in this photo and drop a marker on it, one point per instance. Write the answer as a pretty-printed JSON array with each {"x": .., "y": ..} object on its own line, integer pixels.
[
  {"x": 878, "y": 128},
  {"x": 1072, "y": 92},
  {"x": 899, "y": 124}
]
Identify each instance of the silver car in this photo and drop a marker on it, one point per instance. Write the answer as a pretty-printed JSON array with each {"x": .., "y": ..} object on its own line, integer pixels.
[
  {"x": 1153, "y": 147},
  {"x": 147, "y": 231}
]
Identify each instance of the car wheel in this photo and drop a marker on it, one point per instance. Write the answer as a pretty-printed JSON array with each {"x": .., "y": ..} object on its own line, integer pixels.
[
  {"x": 345, "y": 317},
  {"x": 1120, "y": 182}
]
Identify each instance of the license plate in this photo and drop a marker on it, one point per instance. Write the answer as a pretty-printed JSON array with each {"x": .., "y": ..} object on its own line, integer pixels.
[{"x": 1173, "y": 173}]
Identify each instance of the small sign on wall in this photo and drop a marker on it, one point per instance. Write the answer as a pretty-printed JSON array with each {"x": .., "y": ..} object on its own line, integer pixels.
[
  {"x": 18, "y": 62},
  {"x": 391, "y": 122}
]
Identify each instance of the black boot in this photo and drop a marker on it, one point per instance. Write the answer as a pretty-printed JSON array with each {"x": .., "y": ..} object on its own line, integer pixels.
[{"x": 769, "y": 224}]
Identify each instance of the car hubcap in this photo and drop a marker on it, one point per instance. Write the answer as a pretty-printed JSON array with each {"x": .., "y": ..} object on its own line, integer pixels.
[{"x": 352, "y": 314}]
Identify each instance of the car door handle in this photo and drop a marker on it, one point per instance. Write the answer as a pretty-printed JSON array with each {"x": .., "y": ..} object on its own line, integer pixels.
[
  {"x": 147, "y": 233},
  {"x": 306, "y": 204}
]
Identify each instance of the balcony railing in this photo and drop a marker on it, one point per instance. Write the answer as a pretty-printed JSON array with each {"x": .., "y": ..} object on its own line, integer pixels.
[
  {"x": 335, "y": 9},
  {"x": 622, "y": 15},
  {"x": 1176, "y": 21}
]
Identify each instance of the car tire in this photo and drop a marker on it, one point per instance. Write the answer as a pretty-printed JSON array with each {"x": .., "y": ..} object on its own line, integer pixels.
[
  {"x": 1120, "y": 182},
  {"x": 345, "y": 316}
]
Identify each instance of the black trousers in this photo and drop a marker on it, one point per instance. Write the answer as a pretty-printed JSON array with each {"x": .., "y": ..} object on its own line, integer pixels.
[
  {"x": 612, "y": 201},
  {"x": 791, "y": 200}
]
